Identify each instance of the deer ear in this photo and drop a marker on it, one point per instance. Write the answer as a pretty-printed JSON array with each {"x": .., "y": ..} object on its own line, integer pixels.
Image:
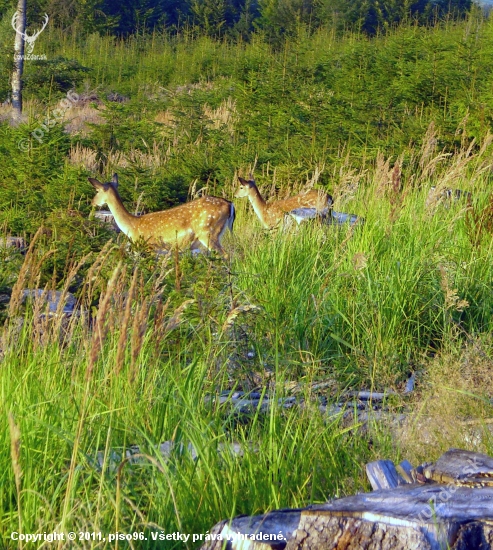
[
  {"x": 114, "y": 181},
  {"x": 242, "y": 181},
  {"x": 95, "y": 183}
]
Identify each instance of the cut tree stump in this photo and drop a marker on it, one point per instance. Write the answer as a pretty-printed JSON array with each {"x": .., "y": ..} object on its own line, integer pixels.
[
  {"x": 107, "y": 218},
  {"x": 421, "y": 517},
  {"x": 425, "y": 517},
  {"x": 417, "y": 516}
]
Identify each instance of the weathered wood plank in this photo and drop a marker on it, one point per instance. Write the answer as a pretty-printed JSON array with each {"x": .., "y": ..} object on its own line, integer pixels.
[
  {"x": 411, "y": 503},
  {"x": 370, "y": 395},
  {"x": 14, "y": 242},
  {"x": 461, "y": 467},
  {"x": 404, "y": 469},
  {"x": 383, "y": 475},
  {"x": 434, "y": 511}
]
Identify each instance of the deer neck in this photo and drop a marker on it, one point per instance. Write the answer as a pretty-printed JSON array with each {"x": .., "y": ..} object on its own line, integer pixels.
[
  {"x": 259, "y": 205},
  {"x": 123, "y": 218}
]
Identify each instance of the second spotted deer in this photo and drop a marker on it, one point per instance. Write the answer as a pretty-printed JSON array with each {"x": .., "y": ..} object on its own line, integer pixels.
[
  {"x": 272, "y": 214},
  {"x": 203, "y": 220}
]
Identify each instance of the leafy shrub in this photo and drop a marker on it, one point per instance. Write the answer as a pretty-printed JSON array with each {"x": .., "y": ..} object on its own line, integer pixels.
[{"x": 53, "y": 77}]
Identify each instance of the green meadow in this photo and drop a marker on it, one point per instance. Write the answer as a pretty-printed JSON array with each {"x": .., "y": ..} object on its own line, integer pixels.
[{"x": 311, "y": 313}]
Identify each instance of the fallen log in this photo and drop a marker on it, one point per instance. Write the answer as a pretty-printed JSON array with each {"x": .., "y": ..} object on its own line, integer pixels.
[{"x": 13, "y": 242}]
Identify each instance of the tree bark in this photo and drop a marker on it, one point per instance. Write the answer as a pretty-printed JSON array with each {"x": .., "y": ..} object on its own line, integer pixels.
[
  {"x": 20, "y": 24},
  {"x": 414, "y": 516}
]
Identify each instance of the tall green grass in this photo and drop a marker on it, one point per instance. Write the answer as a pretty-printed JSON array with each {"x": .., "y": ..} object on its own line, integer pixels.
[
  {"x": 356, "y": 307},
  {"x": 77, "y": 407}
]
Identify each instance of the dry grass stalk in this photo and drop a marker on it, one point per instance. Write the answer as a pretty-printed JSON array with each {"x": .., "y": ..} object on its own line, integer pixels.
[
  {"x": 122, "y": 340},
  {"x": 31, "y": 108},
  {"x": 157, "y": 331},
  {"x": 382, "y": 176},
  {"x": 359, "y": 261},
  {"x": 456, "y": 172},
  {"x": 451, "y": 299},
  {"x": 35, "y": 272},
  {"x": 388, "y": 183},
  {"x": 345, "y": 191},
  {"x": 225, "y": 116},
  {"x": 178, "y": 273},
  {"x": 90, "y": 159},
  {"x": 462, "y": 129},
  {"x": 60, "y": 325},
  {"x": 395, "y": 193},
  {"x": 139, "y": 327},
  {"x": 15, "y": 453},
  {"x": 100, "y": 328},
  {"x": 479, "y": 222},
  {"x": 118, "y": 301},
  {"x": 167, "y": 118},
  {"x": 387, "y": 180},
  {"x": 396, "y": 186},
  {"x": 175, "y": 320},
  {"x": 84, "y": 156},
  {"x": 97, "y": 340},
  {"x": 484, "y": 163},
  {"x": 194, "y": 193},
  {"x": 40, "y": 316},
  {"x": 7, "y": 113},
  {"x": 155, "y": 159},
  {"x": 78, "y": 118},
  {"x": 93, "y": 277},
  {"x": 233, "y": 314},
  {"x": 26, "y": 269},
  {"x": 113, "y": 160},
  {"x": 428, "y": 147},
  {"x": 428, "y": 159},
  {"x": 313, "y": 180},
  {"x": 431, "y": 167}
]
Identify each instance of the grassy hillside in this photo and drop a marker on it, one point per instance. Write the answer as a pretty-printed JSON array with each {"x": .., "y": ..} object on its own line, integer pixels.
[{"x": 309, "y": 314}]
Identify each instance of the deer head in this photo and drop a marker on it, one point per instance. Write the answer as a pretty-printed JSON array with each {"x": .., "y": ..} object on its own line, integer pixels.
[
  {"x": 245, "y": 187},
  {"x": 103, "y": 189}
]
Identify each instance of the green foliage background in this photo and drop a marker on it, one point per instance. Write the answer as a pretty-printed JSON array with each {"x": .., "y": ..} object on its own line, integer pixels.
[
  {"x": 238, "y": 18},
  {"x": 318, "y": 99},
  {"x": 382, "y": 105}
]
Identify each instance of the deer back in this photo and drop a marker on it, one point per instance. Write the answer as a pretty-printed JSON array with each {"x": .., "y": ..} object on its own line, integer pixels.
[{"x": 185, "y": 223}]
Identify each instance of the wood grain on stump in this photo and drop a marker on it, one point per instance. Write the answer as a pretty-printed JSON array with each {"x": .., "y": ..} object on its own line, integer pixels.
[{"x": 421, "y": 517}]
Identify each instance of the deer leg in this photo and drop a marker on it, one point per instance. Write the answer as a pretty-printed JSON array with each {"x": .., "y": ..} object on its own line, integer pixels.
[
  {"x": 195, "y": 247},
  {"x": 211, "y": 242}
]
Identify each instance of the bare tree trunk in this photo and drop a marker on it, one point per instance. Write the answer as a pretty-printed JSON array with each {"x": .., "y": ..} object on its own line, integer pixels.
[{"x": 20, "y": 24}]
